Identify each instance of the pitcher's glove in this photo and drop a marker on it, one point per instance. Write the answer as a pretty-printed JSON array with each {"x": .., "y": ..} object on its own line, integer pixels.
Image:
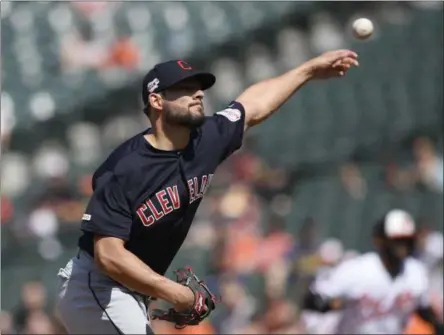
[{"x": 204, "y": 302}]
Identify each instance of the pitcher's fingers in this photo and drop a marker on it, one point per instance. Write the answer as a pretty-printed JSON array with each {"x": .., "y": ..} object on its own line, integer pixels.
[
  {"x": 345, "y": 61},
  {"x": 337, "y": 63},
  {"x": 339, "y": 54},
  {"x": 350, "y": 61},
  {"x": 352, "y": 54},
  {"x": 342, "y": 68}
]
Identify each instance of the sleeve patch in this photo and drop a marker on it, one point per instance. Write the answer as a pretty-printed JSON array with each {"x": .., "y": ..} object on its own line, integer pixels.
[{"x": 231, "y": 114}]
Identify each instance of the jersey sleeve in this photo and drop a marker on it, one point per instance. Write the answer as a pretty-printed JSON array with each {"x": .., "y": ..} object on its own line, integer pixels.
[
  {"x": 338, "y": 281},
  {"x": 108, "y": 212},
  {"x": 229, "y": 125}
]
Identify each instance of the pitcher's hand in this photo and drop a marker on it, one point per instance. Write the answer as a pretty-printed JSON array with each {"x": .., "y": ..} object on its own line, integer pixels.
[{"x": 332, "y": 64}]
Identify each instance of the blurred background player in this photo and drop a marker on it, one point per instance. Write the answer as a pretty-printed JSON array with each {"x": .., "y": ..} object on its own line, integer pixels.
[
  {"x": 328, "y": 165},
  {"x": 331, "y": 253},
  {"x": 378, "y": 291}
]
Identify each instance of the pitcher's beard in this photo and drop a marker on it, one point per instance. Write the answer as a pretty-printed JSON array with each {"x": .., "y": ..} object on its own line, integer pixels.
[{"x": 189, "y": 119}]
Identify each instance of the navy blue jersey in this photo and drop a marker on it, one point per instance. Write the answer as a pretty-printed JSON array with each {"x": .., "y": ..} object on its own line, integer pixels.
[{"x": 149, "y": 197}]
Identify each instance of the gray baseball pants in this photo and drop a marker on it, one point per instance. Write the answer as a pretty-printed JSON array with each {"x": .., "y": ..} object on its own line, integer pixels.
[{"x": 89, "y": 302}]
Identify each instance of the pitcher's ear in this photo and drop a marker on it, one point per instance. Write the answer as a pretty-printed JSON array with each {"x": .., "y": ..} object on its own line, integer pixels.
[{"x": 155, "y": 100}]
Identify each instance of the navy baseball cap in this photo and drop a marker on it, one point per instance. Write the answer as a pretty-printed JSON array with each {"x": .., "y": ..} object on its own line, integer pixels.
[{"x": 167, "y": 74}]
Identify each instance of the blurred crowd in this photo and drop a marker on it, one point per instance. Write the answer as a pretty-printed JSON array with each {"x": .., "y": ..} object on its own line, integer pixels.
[
  {"x": 251, "y": 260},
  {"x": 240, "y": 239}
]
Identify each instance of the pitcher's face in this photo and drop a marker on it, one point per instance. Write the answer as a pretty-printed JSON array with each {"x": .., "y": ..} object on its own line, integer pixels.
[{"x": 183, "y": 105}]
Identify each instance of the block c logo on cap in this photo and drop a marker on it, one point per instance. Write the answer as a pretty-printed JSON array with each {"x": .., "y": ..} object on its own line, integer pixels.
[
  {"x": 152, "y": 85},
  {"x": 184, "y": 65}
]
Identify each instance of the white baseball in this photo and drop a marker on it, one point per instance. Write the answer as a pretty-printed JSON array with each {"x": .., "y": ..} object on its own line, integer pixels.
[{"x": 363, "y": 28}]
